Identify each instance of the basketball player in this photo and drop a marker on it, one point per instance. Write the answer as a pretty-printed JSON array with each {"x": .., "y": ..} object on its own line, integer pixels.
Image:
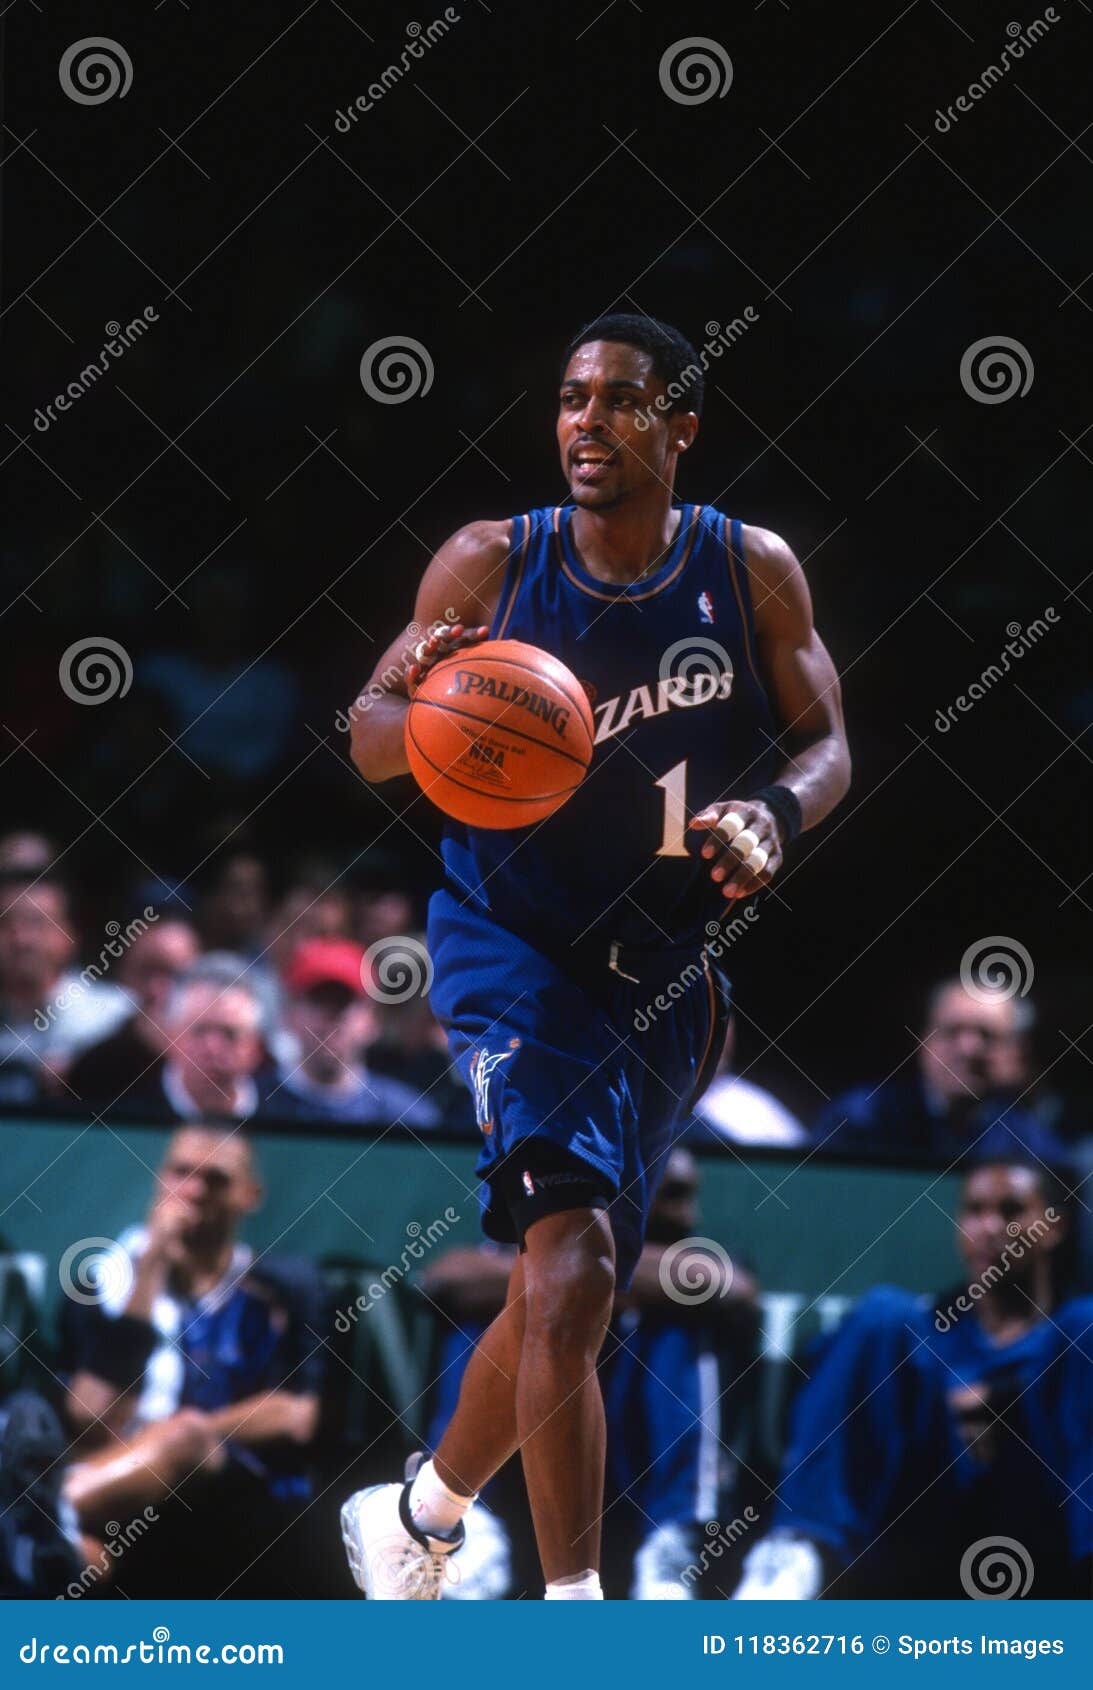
[{"x": 553, "y": 943}]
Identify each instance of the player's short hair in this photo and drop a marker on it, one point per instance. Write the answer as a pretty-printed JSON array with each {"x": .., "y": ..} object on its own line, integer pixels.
[{"x": 675, "y": 361}]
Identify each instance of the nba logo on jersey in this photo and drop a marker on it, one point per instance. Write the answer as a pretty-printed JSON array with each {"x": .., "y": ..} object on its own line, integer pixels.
[
  {"x": 705, "y": 607},
  {"x": 529, "y": 1184},
  {"x": 482, "y": 1066}
]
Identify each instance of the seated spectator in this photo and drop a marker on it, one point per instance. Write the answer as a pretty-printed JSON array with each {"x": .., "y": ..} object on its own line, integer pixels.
[
  {"x": 383, "y": 914},
  {"x": 688, "y": 1314},
  {"x": 38, "y": 1539},
  {"x": 931, "y": 1424},
  {"x": 736, "y": 1111},
  {"x": 26, "y": 853},
  {"x": 411, "y": 1047},
  {"x": 48, "y": 1011},
  {"x": 155, "y": 961},
  {"x": 198, "y": 1372},
  {"x": 214, "y": 1057},
  {"x": 329, "y": 1016},
  {"x": 958, "y": 1100}
]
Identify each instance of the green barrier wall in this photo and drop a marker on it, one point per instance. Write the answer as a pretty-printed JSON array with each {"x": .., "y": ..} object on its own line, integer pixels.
[{"x": 815, "y": 1229}]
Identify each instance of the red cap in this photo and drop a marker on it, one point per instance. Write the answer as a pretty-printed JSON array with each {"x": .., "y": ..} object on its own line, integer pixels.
[{"x": 326, "y": 962}]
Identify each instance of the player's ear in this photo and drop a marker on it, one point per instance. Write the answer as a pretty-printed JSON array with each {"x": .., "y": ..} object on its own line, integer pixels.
[{"x": 684, "y": 429}]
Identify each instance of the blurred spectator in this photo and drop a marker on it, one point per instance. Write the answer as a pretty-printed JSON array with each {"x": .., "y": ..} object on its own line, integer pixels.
[
  {"x": 315, "y": 905},
  {"x": 385, "y": 914},
  {"x": 199, "y": 1370},
  {"x": 26, "y": 853},
  {"x": 48, "y": 1011},
  {"x": 330, "y": 1018},
  {"x": 929, "y": 1425},
  {"x": 149, "y": 970},
  {"x": 38, "y": 1541},
  {"x": 233, "y": 713},
  {"x": 688, "y": 1319},
  {"x": 411, "y": 1047},
  {"x": 234, "y": 903},
  {"x": 214, "y": 1055},
  {"x": 961, "y": 1097},
  {"x": 739, "y": 1112}
]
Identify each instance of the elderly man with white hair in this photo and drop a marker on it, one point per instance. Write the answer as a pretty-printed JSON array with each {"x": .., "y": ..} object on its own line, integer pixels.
[{"x": 215, "y": 1053}]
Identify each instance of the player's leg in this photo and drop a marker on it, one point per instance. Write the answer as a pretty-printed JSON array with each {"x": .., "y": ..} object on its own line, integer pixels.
[
  {"x": 481, "y": 1434},
  {"x": 569, "y": 1283}
]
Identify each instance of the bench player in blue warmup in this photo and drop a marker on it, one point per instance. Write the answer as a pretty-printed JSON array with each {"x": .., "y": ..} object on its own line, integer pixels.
[{"x": 719, "y": 737}]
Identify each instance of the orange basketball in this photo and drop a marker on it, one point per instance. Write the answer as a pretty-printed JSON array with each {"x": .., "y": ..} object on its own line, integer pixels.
[{"x": 499, "y": 734}]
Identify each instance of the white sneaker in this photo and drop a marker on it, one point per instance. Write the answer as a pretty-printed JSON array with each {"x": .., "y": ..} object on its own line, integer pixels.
[
  {"x": 389, "y": 1558},
  {"x": 781, "y": 1568}
]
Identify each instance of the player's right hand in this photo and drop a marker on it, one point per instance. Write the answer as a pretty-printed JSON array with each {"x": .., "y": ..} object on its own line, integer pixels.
[{"x": 442, "y": 639}]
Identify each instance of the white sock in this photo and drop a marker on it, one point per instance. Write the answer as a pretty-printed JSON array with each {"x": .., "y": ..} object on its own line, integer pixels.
[
  {"x": 433, "y": 1507},
  {"x": 579, "y": 1587}
]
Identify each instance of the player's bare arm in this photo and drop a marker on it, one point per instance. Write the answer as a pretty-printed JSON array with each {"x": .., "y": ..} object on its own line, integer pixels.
[
  {"x": 455, "y": 604},
  {"x": 748, "y": 837}
]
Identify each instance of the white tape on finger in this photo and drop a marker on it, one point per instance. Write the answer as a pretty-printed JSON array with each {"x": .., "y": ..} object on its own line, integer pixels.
[
  {"x": 745, "y": 842},
  {"x": 730, "y": 825},
  {"x": 758, "y": 859}
]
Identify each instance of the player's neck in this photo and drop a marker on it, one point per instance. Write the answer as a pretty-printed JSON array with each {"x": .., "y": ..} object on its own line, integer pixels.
[
  {"x": 1013, "y": 1308},
  {"x": 628, "y": 541}
]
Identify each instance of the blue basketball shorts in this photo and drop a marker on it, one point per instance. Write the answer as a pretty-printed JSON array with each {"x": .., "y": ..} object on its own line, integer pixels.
[{"x": 581, "y": 1082}]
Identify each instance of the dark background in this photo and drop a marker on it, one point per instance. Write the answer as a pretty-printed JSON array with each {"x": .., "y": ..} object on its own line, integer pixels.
[{"x": 526, "y": 174}]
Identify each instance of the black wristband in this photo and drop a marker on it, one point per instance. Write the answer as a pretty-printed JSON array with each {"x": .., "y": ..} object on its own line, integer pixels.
[
  {"x": 120, "y": 1350},
  {"x": 785, "y": 805}
]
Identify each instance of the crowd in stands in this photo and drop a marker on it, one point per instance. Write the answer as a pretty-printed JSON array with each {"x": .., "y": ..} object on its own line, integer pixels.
[{"x": 193, "y": 1394}]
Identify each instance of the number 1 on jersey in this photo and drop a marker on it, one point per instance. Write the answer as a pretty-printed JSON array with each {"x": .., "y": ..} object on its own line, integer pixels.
[{"x": 674, "y": 787}]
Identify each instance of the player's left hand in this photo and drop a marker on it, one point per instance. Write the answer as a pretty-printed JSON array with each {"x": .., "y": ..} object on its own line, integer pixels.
[{"x": 745, "y": 845}]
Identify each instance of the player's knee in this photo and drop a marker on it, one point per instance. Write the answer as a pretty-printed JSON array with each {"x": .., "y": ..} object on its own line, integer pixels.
[{"x": 569, "y": 1299}]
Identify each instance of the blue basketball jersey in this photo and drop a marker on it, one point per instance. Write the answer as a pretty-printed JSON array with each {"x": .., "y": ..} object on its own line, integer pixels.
[{"x": 682, "y": 720}]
